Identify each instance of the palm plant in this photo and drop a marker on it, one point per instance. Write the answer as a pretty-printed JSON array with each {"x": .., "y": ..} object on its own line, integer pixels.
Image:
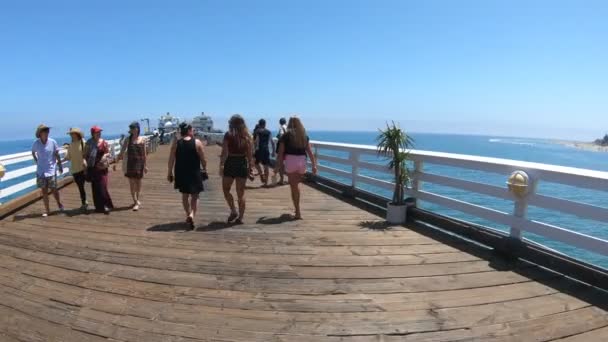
[{"x": 395, "y": 143}]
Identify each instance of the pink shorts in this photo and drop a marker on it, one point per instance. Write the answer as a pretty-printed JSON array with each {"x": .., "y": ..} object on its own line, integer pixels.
[{"x": 295, "y": 164}]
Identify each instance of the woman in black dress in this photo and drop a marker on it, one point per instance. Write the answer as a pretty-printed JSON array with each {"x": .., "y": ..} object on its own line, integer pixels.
[{"x": 185, "y": 162}]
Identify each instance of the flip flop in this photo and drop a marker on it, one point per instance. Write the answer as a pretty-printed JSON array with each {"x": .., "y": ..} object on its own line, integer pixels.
[
  {"x": 190, "y": 222},
  {"x": 232, "y": 217}
]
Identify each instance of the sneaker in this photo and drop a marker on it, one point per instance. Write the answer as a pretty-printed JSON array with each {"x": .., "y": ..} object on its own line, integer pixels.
[
  {"x": 84, "y": 207},
  {"x": 136, "y": 207},
  {"x": 45, "y": 215},
  {"x": 61, "y": 208}
]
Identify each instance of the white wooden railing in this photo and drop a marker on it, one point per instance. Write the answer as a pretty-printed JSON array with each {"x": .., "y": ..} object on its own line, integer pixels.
[
  {"x": 517, "y": 220},
  {"x": 30, "y": 169}
]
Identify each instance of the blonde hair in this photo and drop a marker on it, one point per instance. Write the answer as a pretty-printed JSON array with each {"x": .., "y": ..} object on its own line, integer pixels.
[{"x": 297, "y": 132}]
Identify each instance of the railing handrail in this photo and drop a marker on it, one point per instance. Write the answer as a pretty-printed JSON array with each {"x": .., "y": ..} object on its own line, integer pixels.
[
  {"x": 554, "y": 173},
  {"x": 517, "y": 220},
  {"x": 14, "y": 156},
  {"x": 31, "y": 169}
]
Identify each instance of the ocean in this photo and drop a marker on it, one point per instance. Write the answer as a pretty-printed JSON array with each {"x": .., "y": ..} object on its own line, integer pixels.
[
  {"x": 535, "y": 150},
  {"x": 25, "y": 145}
]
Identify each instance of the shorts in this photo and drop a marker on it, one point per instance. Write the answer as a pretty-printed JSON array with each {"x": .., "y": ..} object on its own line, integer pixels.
[
  {"x": 262, "y": 157},
  {"x": 295, "y": 164},
  {"x": 236, "y": 167},
  {"x": 47, "y": 182}
]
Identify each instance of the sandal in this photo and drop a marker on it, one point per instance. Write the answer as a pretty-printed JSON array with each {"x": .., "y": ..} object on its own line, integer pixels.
[
  {"x": 232, "y": 217},
  {"x": 190, "y": 222}
]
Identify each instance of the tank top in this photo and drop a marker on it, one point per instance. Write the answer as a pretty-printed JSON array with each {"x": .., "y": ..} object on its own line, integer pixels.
[
  {"x": 187, "y": 160},
  {"x": 290, "y": 148}
]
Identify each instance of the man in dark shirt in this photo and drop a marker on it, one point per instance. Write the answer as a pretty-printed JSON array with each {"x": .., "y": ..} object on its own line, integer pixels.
[{"x": 263, "y": 140}]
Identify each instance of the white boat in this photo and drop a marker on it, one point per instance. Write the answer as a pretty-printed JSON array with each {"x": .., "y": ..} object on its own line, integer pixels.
[
  {"x": 168, "y": 123},
  {"x": 203, "y": 129},
  {"x": 204, "y": 124}
]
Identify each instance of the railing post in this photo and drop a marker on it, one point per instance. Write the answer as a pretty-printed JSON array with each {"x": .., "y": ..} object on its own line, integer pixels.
[
  {"x": 2, "y": 173},
  {"x": 416, "y": 183},
  {"x": 315, "y": 150},
  {"x": 354, "y": 162}
]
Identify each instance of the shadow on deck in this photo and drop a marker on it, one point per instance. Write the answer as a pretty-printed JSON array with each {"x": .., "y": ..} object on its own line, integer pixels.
[{"x": 341, "y": 274}]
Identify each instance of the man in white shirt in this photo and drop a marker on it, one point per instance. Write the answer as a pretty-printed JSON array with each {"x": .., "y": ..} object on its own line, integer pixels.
[{"x": 45, "y": 152}]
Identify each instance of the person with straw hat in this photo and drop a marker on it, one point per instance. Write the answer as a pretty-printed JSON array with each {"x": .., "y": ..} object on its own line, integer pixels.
[
  {"x": 45, "y": 152},
  {"x": 78, "y": 165}
]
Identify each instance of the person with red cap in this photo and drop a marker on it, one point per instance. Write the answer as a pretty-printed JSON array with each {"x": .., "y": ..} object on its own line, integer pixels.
[{"x": 97, "y": 157}]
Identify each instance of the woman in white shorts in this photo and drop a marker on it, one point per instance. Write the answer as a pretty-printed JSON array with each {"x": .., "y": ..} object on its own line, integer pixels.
[{"x": 294, "y": 147}]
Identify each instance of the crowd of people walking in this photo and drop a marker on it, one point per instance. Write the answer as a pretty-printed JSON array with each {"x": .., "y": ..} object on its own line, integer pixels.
[{"x": 242, "y": 153}]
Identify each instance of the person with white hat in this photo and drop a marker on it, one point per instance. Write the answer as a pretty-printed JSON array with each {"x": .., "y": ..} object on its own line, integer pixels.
[
  {"x": 45, "y": 152},
  {"x": 78, "y": 164}
]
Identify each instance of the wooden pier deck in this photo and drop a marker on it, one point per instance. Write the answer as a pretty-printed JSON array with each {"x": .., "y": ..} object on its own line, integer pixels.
[{"x": 140, "y": 276}]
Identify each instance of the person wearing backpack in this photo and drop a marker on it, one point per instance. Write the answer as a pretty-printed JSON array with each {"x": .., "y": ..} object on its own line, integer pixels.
[{"x": 78, "y": 165}]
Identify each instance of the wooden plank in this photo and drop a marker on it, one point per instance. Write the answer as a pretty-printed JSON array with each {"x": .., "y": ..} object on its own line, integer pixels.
[
  {"x": 600, "y": 334},
  {"x": 115, "y": 302},
  {"x": 259, "y": 282},
  {"x": 340, "y": 274},
  {"x": 525, "y": 250}
]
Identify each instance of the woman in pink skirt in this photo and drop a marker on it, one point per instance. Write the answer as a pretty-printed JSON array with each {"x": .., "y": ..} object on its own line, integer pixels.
[{"x": 293, "y": 148}]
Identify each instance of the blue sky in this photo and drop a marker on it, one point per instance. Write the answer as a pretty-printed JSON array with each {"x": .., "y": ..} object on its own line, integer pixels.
[{"x": 517, "y": 68}]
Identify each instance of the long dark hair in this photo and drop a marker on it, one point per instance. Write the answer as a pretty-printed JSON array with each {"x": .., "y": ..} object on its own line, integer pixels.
[{"x": 238, "y": 129}]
